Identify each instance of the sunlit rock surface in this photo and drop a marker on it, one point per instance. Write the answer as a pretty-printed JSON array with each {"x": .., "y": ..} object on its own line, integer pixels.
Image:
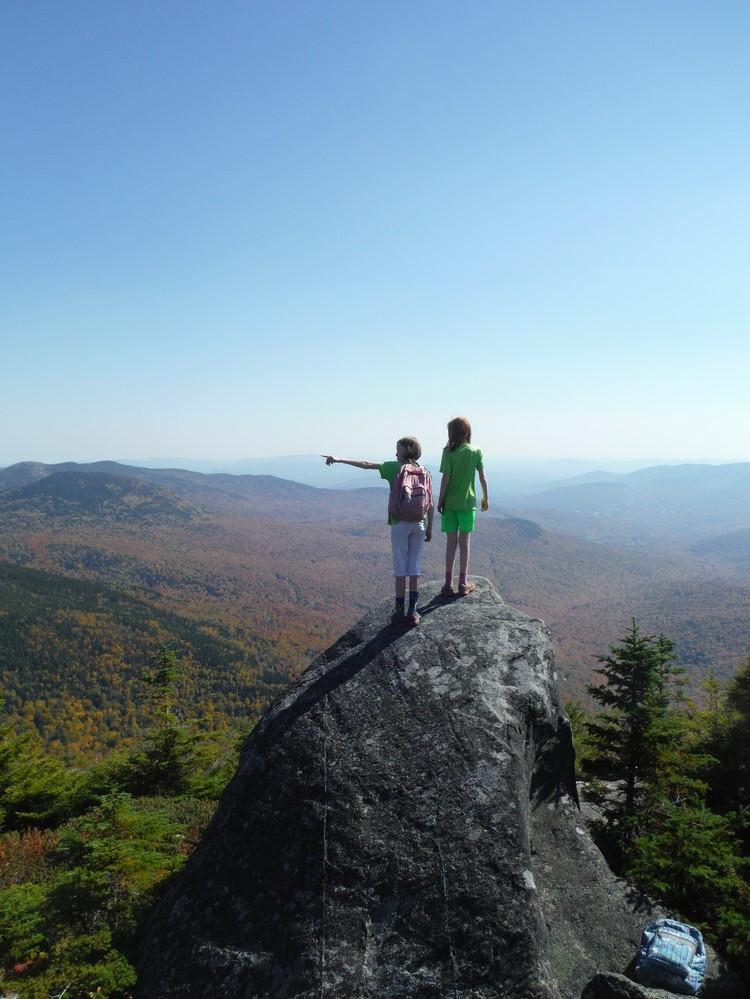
[{"x": 403, "y": 823}]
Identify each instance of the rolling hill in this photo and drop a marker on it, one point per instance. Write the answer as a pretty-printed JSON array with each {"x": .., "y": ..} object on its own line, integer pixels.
[
  {"x": 75, "y": 496},
  {"x": 275, "y": 498},
  {"x": 666, "y": 504},
  {"x": 286, "y": 568},
  {"x": 732, "y": 549}
]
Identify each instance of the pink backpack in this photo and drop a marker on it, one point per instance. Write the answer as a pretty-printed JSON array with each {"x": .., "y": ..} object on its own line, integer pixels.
[{"x": 411, "y": 494}]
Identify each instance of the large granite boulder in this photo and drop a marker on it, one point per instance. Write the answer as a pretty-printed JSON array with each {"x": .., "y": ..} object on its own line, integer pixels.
[{"x": 403, "y": 823}]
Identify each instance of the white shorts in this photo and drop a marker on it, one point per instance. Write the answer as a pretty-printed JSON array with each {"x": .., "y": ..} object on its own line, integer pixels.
[{"x": 407, "y": 539}]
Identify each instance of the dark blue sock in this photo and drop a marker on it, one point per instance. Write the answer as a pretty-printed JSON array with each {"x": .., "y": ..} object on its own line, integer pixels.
[
  {"x": 400, "y": 605},
  {"x": 413, "y": 598}
]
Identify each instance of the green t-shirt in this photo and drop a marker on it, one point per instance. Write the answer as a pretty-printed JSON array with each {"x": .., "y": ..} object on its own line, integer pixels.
[
  {"x": 461, "y": 465},
  {"x": 389, "y": 471}
]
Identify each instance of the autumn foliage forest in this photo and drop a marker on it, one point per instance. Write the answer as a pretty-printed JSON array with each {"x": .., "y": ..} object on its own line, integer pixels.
[{"x": 249, "y": 577}]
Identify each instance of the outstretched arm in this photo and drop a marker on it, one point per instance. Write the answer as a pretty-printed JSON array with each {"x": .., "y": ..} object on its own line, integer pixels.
[
  {"x": 483, "y": 483},
  {"x": 330, "y": 460}
]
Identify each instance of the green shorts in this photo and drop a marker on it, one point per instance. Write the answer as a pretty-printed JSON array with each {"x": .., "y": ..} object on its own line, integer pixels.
[{"x": 457, "y": 520}]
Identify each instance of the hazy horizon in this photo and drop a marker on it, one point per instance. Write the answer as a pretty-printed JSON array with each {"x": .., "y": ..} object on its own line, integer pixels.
[
  {"x": 507, "y": 475},
  {"x": 164, "y": 461}
]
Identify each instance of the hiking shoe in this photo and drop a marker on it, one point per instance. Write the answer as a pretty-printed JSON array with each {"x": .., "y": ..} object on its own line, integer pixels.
[
  {"x": 398, "y": 619},
  {"x": 413, "y": 619},
  {"x": 465, "y": 589},
  {"x": 448, "y": 592}
]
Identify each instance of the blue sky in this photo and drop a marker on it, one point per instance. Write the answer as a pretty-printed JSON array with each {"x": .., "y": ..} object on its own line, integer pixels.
[{"x": 237, "y": 229}]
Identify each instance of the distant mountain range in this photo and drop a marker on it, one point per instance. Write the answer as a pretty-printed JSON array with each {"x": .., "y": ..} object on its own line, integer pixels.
[
  {"x": 283, "y": 568},
  {"x": 516, "y": 476},
  {"x": 668, "y": 504},
  {"x": 268, "y": 495}
]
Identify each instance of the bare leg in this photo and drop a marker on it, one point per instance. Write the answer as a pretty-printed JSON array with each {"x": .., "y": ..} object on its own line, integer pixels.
[
  {"x": 464, "y": 586},
  {"x": 401, "y": 586},
  {"x": 450, "y": 553},
  {"x": 464, "y": 543},
  {"x": 414, "y": 584}
]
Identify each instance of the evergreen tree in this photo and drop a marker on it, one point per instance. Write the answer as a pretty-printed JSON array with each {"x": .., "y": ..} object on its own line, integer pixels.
[
  {"x": 34, "y": 787},
  {"x": 715, "y": 694},
  {"x": 579, "y": 718},
  {"x": 691, "y": 861},
  {"x": 628, "y": 737},
  {"x": 163, "y": 764},
  {"x": 641, "y": 744},
  {"x": 729, "y": 742}
]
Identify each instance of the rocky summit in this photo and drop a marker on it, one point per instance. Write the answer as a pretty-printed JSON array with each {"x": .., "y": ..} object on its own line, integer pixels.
[{"x": 404, "y": 823}]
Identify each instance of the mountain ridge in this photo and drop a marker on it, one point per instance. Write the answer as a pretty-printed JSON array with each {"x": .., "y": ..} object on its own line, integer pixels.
[{"x": 70, "y": 493}]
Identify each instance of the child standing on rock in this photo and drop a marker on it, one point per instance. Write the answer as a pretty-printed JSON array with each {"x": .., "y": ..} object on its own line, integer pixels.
[
  {"x": 457, "y": 502},
  {"x": 410, "y": 512}
]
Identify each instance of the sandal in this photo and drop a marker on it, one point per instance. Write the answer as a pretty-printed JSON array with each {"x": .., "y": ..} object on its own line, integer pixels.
[
  {"x": 465, "y": 589},
  {"x": 413, "y": 619},
  {"x": 398, "y": 619},
  {"x": 448, "y": 592}
]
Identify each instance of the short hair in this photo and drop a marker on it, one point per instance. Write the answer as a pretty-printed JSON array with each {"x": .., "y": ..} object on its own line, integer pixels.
[
  {"x": 459, "y": 432},
  {"x": 412, "y": 448}
]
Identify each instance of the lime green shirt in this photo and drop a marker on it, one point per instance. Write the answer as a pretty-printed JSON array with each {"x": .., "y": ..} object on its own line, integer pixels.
[
  {"x": 461, "y": 465},
  {"x": 389, "y": 471}
]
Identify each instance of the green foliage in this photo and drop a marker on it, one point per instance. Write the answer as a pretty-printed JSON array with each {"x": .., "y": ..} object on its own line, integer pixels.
[
  {"x": 163, "y": 763},
  {"x": 664, "y": 763},
  {"x": 215, "y": 759},
  {"x": 580, "y": 720},
  {"x": 728, "y": 740},
  {"x": 80, "y": 967},
  {"x": 34, "y": 787},
  {"x": 80, "y": 928},
  {"x": 630, "y": 740},
  {"x": 112, "y": 858},
  {"x": 75, "y": 898},
  {"x": 692, "y": 862},
  {"x": 22, "y": 937}
]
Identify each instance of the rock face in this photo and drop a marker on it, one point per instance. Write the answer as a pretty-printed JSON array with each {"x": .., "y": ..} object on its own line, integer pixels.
[{"x": 403, "y": 823}]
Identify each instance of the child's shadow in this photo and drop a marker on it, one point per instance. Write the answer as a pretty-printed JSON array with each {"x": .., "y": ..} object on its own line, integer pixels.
[
  {"x": 435, "y": 604},
  {"x": 341, "y": 672}
]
